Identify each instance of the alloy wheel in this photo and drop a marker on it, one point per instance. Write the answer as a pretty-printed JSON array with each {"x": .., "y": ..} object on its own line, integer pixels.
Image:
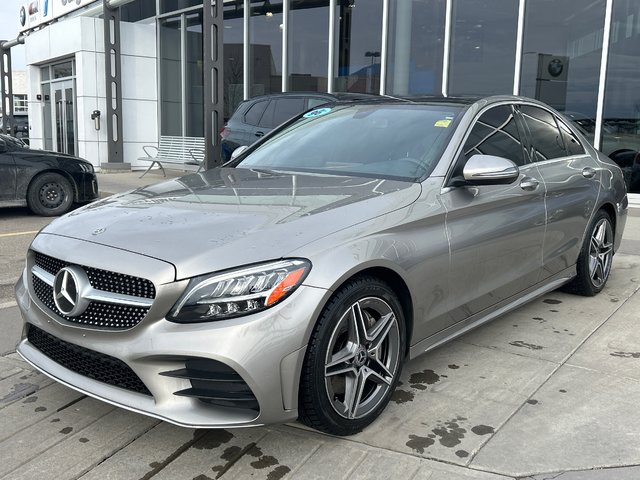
[
  {"x": 362, "y": 358},
  {"x": 600, "y": 253}
]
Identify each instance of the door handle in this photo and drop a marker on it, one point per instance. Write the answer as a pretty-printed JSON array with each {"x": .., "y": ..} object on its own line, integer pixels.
[
  {"x": 529, "y": 183},
  {"x": 259, "y": 134},
  {"x": 588, "y": 172}
]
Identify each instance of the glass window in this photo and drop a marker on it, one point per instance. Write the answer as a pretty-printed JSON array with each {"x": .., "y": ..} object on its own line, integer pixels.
[
  {"x": 545, "y": 135},
  {"x": 561, "y": 54},
  {"x": 44, "y": 73},
  {"x": 496, "y": 133},
  {"x": 137, "y": 10},
  {"x": 416, "y": 39},
  {"x": 63, "y": 70},
  {"x": 194, "y": 80},
  {"x": 483, "y": 47},
  {"x": 171, "y": 76},
  {"x": 167, "y": 6},
  {"x": 358, "y": 45},
  {"x": 253, "y": 115},
  {"x": 621, "y": 128},
  {"x": 265, "y": 27},
  {"x": 381, "y": 141},
  {"x": 308, "y": 45},
  {"x": 233, "y": 32},
  {"x": 281, "y": 110},
  {"x": 571, "y": 142}
]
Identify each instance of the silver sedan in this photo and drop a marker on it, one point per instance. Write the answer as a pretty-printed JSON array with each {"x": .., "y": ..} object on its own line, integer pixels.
[{"x": 297, "y": 280}]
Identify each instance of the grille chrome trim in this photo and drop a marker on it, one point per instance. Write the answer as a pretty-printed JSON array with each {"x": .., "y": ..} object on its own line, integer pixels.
[
  {"x": 43, "y": 275},
  {"x": 97, "y": 295}
]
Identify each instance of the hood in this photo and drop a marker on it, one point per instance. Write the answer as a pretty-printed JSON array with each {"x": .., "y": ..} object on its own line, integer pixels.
[{"x": 223, "y": 218}]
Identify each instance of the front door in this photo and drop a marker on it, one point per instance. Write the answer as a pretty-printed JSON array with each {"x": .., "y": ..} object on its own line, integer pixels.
[
  {"x": 495, "y": 232},
  {"x": 64, "y": 117},
  {"x": 7, "y": 175}
]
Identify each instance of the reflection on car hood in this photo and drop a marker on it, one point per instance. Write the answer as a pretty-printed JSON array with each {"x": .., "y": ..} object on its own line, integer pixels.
[{"x": 227, "y": 217}]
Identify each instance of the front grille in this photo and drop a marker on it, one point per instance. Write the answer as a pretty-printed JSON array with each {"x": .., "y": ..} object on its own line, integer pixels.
[
  {"x": 103, "y": 279},
  {"x": 98, "y": 314},
  {"x": 91, "y": 364},
  {"x": 215, "y": 383}
]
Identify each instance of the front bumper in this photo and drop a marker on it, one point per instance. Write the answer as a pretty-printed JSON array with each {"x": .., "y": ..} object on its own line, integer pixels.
[
  {"x": 265, "y": 349},
  {"x": 87, "y": 186}
]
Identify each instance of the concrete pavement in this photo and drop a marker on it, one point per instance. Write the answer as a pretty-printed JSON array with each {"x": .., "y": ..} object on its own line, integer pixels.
[{"x": 548, "y": 391}]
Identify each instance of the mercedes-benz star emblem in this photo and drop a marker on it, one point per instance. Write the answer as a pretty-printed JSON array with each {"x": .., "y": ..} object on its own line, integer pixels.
[{"x": 68, "y": 287}]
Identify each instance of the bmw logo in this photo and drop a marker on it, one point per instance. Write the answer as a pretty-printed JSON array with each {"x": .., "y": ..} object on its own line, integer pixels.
[
  {"x": 23, "y": 16},
  {"x": 555, "y": 67}
]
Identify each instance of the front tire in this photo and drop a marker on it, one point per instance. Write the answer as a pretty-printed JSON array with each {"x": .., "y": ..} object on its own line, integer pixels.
[
  {"x": 50, "y": 194},
  {"x": 596, "y": 256},
  {"x": 354, "y": 358}
]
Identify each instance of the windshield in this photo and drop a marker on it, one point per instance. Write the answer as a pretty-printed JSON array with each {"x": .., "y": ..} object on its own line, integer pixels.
[{"x": 401, "y": 141}]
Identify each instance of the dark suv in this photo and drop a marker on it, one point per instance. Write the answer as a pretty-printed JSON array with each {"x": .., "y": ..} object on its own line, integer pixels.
[{"x": 259, "y": 115}]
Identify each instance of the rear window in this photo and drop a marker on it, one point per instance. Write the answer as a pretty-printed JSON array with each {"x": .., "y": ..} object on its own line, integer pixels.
[
  {"x": 252, "y": 116},
  {"x": 402, "y": 141}
]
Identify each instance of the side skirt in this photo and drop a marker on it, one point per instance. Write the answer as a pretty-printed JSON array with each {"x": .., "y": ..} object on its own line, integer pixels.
[{"x": 490, "y": 313}]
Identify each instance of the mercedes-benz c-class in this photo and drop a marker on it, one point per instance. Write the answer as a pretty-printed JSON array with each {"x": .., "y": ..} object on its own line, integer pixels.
[{"x": 296, "y": 280}]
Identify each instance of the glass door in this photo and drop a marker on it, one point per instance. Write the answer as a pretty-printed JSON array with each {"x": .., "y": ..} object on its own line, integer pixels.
[{"x": 64, "y": 116}]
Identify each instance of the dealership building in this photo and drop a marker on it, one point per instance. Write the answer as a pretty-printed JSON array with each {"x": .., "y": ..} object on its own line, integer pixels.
[{"x": 581, "y": 57}]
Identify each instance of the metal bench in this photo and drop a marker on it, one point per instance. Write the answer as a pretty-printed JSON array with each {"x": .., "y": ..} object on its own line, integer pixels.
[{"x": 187, "y": 152}]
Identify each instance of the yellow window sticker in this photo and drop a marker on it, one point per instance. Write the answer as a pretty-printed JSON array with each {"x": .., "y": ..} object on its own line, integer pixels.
[{"x": 443, "y": 123}]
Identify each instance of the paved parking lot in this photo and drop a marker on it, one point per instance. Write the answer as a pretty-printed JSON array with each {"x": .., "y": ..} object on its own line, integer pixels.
[{"x": 548, "y": 391}]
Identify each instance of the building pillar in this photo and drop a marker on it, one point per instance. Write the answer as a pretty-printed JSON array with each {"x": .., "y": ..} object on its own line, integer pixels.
[
  {"x": 213, "y": 57},
  {"x": 113, "y": 77},
  {"x": 6, "y": 88},
  {"x": 402, "y": 53}
]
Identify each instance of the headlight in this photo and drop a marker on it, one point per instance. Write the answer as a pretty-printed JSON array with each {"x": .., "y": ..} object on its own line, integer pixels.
[{"x": 239, "y": 292}]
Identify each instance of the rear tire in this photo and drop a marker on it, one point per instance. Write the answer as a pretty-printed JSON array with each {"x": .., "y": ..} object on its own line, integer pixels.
[
  {"x": 354, "y": 358},
  {"x": 596, "y": 256},
  {"x": 50, "y": 194}
]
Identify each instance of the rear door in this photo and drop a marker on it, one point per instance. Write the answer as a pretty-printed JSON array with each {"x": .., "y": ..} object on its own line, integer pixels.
[
  {"x": 495, "y": 231},
  {"x": 572, "y": 182}
]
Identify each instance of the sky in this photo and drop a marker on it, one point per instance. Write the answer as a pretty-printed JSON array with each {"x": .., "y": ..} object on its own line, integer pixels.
[{"x": 9, "y": 29}]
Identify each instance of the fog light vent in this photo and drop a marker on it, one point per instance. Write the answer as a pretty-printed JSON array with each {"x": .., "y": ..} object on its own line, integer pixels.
[{"x": 215, "y": 383}]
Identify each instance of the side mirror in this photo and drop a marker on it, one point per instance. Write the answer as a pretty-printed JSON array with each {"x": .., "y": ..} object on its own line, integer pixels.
[
  {"x": 490, "y": 170},
  {"x": 238, "y": 151}
]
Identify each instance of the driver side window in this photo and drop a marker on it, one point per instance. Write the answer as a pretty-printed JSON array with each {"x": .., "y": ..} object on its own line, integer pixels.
[{"x": 496, "y": 133}]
